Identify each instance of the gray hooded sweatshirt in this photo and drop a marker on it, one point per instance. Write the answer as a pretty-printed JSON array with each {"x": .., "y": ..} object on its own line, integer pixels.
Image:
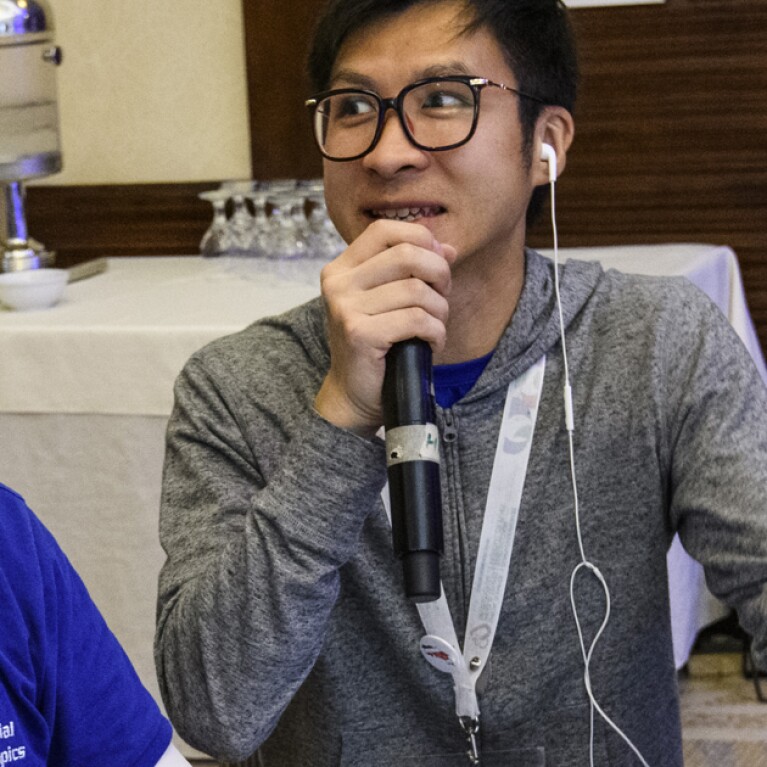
[{"x": 282, "y": 624}]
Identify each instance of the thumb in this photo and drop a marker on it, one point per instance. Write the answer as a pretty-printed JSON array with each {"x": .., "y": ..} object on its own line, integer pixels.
[{"x": 448, "y": 251}]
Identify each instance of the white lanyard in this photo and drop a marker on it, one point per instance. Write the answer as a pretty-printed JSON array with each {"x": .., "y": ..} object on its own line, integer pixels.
[{"x": 440, "y": 645}]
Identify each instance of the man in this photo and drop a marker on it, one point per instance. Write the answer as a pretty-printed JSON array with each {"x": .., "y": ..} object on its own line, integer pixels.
[
  {"x": 282, "y": 622},
  {"x": 68, "y": 693}
]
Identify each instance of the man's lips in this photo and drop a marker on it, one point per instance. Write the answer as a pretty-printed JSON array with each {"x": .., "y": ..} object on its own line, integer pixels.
[{"x": 406, "y": 212}]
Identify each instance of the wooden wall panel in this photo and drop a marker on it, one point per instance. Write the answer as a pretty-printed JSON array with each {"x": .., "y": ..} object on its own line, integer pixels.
[
  {"x": 83, "y": 222},
  {"x": 277, "y": 36},
  {"x": 670, "y": 132}
]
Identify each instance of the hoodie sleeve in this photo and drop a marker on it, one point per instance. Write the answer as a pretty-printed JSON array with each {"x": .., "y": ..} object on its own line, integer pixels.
[
  {"x": 718, "y": 443},
  {"x": 259, "y": 512}
]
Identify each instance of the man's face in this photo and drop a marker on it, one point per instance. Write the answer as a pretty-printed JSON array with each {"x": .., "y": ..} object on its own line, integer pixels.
[{"x": 473, "y": 197}]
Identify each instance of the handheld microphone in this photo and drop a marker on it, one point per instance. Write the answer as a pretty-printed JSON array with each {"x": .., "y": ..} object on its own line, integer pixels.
[{"x": 412, "y": 458}]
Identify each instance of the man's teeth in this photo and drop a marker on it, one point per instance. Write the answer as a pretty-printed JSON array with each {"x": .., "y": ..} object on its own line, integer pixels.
[{"x": 404, "y": 214}]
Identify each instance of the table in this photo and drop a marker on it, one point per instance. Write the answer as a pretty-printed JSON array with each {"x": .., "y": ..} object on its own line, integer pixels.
[{"x": 86, "y": 390}]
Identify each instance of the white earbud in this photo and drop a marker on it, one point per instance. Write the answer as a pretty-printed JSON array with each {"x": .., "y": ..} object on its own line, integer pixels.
[{"x": 550, "y": 156}]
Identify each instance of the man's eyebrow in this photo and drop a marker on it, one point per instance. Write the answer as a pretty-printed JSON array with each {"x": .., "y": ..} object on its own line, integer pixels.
[
  {"x": 445, "y": 70},
  {"x": 351, "y": 79}
]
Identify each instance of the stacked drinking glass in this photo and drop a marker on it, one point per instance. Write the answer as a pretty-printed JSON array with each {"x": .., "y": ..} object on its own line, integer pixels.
[{"x": 282, "y": 220}]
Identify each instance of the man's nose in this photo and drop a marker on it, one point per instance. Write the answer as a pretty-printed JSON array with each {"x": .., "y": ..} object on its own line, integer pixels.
[{"x": 394, "y": 149}]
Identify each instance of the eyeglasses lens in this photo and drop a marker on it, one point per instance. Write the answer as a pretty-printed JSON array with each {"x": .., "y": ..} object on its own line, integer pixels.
[{"x": 436, "y": 115}]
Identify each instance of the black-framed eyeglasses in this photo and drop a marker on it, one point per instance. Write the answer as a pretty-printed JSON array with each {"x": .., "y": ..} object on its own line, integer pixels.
[{"x": 436, "y": 114}]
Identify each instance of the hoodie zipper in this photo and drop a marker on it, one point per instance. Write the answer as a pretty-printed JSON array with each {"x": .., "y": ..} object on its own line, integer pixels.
[
  {"x": 449, "y": 433},
  {"x": 449, "y": 437}
]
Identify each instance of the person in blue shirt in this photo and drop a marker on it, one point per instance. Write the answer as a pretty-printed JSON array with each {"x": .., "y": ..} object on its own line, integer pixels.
[{"x": 68, "y": 692}]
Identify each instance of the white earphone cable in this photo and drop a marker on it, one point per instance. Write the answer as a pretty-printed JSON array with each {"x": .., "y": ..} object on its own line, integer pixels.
[{"x": 584, "y": 563}]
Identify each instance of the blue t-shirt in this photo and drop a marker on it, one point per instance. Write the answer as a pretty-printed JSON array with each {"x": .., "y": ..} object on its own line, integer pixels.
[
  {"x": 69, "y": 695},
  {"x": 451, "y": 382}
]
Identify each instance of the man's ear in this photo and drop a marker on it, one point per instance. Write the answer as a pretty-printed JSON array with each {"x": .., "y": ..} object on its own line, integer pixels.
[{"x": 555, "y": 128}]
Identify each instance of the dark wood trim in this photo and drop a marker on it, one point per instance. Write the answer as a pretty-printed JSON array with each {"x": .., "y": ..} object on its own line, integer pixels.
[{"x": 83, "y": 222}]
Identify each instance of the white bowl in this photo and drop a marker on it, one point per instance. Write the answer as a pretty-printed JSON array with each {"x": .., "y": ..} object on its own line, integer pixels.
[{"x": 32, "y": 288}]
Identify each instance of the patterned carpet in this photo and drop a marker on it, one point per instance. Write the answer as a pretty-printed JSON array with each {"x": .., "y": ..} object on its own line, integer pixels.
[{"x": 724, "y": 724}]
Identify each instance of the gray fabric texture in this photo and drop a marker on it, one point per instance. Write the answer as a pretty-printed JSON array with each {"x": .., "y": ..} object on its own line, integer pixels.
[{"x": 281, "y": 619}]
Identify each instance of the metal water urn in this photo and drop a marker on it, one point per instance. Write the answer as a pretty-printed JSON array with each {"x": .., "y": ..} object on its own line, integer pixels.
[{"x": 29, "y": 123}]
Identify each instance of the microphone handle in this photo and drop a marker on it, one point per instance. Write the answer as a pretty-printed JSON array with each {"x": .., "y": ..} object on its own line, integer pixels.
[{"x": 412, "y": 448}]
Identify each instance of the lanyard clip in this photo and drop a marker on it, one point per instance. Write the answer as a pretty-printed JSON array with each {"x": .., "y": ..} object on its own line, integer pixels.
[{"x": 471, "y": 727}]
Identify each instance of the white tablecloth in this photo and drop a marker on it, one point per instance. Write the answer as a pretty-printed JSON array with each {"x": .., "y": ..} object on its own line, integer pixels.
[
  {"x": 116, "y": 342},
  {"x": 86, "y": 389}
]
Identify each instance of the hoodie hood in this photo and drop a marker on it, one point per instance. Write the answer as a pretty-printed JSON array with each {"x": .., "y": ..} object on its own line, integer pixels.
[{"x": 534, "y": 326}]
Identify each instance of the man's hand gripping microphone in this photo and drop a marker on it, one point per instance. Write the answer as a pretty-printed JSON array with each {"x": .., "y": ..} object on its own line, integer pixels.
[{"x": 412, "y": 450}]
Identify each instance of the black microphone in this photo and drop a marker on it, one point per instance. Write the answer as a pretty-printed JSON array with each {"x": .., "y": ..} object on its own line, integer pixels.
[{"x": 412, "y": 459}]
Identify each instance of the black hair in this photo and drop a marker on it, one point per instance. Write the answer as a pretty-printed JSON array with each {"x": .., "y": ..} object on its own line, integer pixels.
[{"x": 534, "y": 35}]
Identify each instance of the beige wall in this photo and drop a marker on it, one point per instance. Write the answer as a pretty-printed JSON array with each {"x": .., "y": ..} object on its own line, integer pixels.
[{"x": 151, "y": 91}]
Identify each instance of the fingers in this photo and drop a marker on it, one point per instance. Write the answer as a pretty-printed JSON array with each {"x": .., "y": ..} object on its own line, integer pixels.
[
  {"x": 407, "y": 293},
  {"x": 404, "y": 257},
  {"x": 401, "y": 291},
  {"x": 399, "y": 263},
  {"x": 382, "y": 235},
  {"x": 391, "y": 284},
  {"x": 371, "y": 336}
]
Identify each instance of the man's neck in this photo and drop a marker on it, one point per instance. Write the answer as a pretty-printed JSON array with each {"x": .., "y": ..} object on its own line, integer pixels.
[{"x": 481, "y": 307}]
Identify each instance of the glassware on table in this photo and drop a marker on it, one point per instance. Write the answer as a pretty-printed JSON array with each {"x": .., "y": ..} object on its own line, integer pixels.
[
  {"x": 241, "y": 229},
  {"x": 240, "y": 219},
  {"x": 287, "y": 239},
  {"x": 217, "y": 239},
  {"x": 324, "y": 240},
  {"x": 278, "y": 229},
  {"x": 298, "y": 202},
  {"x": 277, "y": 185},
  {"x": 258, "y": 245},
  {"x": 267, "y": 221}
]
